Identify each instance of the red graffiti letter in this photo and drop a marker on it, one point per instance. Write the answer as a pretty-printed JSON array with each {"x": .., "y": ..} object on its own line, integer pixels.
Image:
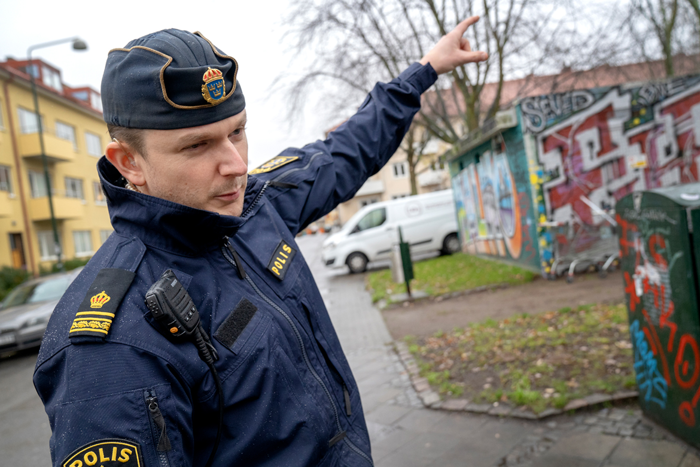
[{"x": 681, "y": 366}]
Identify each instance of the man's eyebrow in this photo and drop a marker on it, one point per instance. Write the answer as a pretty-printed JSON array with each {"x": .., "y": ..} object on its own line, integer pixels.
[{"x": 193, "y": 138}]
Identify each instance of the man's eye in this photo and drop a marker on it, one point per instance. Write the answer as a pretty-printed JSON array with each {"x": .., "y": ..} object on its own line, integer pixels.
[
  {"x": 237, "y": 132},
  {"x": 194, "y": 146}
]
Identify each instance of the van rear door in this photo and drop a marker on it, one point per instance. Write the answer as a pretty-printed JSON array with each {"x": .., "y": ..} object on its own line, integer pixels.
[{"x": 415, "y": 227}]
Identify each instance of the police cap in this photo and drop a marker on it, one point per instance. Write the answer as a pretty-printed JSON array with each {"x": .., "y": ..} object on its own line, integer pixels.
[{"x": 170, "y": 79}]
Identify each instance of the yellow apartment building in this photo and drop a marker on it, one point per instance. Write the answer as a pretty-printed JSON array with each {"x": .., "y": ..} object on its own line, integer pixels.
[{"x": 74, "y": 137}]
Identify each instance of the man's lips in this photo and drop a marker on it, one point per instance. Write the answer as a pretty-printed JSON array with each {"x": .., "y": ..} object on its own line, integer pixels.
[{"x": 230, "y": 196}]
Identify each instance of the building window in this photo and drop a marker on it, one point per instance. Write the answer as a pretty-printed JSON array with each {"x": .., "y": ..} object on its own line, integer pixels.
[
  {"x": 99, "y": 194},
  {"x": 5, "y": 184},
  {"x": 37, "y": 184},
  {"x": 96, "y": 101},
  {"x": 32, "y": 70},
  {"x": 51, "y": 78},
  {"x": 27, "y": 121},
  {"x": 399, "y": 196},
  {"x": 104, "y": 235},
  {"x": 1, "y": 123},
  {"x": 47, "y": 246},
  {"x": 437, "y": 165},
  {"x": 66, "y": 132},
  {"x": 82, "y": 95},
  {"x": 93, "y": 143},
  {"x": 399, "y": 170},
  {"x": 366, "y": 202},
  {"x": 74, "y": 188},
  {"x": 83, "y": 243}
]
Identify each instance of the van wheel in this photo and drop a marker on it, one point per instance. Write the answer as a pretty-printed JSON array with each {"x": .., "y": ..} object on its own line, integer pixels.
[
  {"x": 357, "y": 262},
  {"x": 450, "y": 244}
]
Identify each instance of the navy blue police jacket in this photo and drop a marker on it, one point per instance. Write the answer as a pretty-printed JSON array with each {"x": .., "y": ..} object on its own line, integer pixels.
[{"x": 137, "y": 397}]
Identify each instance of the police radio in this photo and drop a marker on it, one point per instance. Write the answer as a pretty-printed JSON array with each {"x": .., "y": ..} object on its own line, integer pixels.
[{"x": 172, "y": 307}]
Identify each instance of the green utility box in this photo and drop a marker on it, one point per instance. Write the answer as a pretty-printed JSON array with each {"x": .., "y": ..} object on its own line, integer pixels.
[{"x": 659, "y": 258}]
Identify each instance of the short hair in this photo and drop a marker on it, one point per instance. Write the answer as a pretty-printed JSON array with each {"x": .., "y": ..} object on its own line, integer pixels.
[{"x": 133, "y": 137}]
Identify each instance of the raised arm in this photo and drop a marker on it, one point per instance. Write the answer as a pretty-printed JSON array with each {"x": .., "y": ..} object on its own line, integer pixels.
[{"x": 305, "y": 184}]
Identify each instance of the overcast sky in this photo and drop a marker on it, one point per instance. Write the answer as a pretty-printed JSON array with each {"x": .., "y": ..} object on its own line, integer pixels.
[{"x": 250, "y": 31}]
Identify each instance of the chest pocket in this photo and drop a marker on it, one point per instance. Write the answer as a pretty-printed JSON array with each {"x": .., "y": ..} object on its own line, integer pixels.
[{"x": 240, "y": 332}]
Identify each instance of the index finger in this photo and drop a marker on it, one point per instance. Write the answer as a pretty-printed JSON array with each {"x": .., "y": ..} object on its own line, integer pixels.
[{"x": 461, "y": 28}]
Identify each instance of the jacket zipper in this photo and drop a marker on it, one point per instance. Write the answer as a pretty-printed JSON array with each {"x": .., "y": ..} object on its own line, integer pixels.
[
  {"x": 304, "y": 354},
  {"x": 308, "y": 164},
  {"x": 160, "y": 436},
  {"x": 256, "y": 199},
  {"x": 277, "y": 179}
]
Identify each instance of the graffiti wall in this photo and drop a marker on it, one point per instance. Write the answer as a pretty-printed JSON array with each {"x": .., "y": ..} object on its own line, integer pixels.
[
  {"x": 595, "y": 146},
  {"x": 662, "y": 305},
  {"x": 493, "y": 199}
]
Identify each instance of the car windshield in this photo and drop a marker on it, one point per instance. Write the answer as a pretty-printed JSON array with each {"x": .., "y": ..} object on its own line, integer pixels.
[{"x": 51, "y": 289}]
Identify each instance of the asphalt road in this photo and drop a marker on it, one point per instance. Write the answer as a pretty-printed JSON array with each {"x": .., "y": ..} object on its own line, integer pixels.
[{"x": 24, "y": 426}]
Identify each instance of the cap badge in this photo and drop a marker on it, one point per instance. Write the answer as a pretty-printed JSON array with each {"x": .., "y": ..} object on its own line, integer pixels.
[{"x": 214, "y": 88}]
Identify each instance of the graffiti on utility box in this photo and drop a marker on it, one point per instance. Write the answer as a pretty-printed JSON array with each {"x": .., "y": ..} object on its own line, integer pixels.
[{"x": 662, "y": 311}]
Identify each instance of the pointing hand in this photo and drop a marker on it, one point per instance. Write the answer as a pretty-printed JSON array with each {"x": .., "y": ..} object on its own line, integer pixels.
[{"x": 453, "y": 50}]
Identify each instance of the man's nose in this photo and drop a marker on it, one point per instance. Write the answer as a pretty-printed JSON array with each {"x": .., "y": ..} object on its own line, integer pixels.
[{"x": 232, "y": 162}]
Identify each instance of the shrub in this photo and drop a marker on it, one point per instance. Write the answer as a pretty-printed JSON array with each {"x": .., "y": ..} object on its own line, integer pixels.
[
  {"x": 11, "y": 278},
  {"x": 68, "y": 265}
]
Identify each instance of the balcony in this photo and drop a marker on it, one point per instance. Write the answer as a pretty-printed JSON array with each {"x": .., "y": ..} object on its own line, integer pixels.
[
  {"x": 63, "y": 208},
  {"x": 57, "y": 149},
  {"x": 371, "y": 187},
  {"x": 432, "y": 178},
  {"x": 5, "y": 204}
]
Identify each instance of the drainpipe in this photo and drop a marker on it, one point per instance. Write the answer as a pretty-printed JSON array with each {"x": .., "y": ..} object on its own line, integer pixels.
[{"x": 22, "y": 200}]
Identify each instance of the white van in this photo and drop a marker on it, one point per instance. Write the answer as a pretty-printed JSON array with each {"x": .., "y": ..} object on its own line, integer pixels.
[{"x": 428, "y": 223}]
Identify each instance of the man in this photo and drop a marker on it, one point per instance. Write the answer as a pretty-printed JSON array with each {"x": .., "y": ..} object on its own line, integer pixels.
[{"x": 118, "y": 388}]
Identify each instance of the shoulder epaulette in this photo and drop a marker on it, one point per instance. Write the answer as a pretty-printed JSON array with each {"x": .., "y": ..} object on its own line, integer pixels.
[{"x": 99, "y": 307}]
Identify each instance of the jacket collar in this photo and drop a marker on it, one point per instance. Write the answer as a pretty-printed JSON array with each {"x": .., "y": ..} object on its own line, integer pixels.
[{"x": 166, "y": 225}]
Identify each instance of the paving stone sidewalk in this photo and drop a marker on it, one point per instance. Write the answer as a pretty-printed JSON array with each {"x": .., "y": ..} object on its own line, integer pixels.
[{"x": 404, "y": 433}]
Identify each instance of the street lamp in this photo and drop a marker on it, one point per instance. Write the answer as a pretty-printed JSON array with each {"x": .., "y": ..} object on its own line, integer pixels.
[{"x": 78, "y": 44}]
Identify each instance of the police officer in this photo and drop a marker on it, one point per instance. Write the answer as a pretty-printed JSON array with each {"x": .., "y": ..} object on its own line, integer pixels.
[{"x": 121, "y": 389}]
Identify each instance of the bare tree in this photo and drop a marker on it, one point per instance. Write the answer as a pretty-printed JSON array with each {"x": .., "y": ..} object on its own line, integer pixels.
[
  {"x": 695, "y": 5},
  {"x": 661, "y": 15},
  {"x": 414, "y": 145},
  {"x": 356, "y": 43}
]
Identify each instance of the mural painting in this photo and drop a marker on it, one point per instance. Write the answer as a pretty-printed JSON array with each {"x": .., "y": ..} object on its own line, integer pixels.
[
  {"x": 620, "y": 140},
  {"x": 494, "y": 211}
]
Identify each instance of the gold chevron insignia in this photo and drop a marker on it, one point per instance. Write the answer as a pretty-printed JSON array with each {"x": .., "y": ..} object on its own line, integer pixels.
[
  {"x": 98, "y": 300},
  {"x": 274, "y": 163}
]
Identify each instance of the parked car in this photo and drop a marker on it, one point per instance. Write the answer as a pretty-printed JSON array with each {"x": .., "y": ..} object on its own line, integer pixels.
[
  {"x": 25, "y": 312},
  {"x": 428, "y": 223}
]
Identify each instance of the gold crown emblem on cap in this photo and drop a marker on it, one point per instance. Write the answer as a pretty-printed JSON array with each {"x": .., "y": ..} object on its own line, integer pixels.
[
  {"x": 214, "y": 87},
  {"x": 100, "y": 299}
]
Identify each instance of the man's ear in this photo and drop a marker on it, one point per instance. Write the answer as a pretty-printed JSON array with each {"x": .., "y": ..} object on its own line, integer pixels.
[{"x": 128, "y": 164}]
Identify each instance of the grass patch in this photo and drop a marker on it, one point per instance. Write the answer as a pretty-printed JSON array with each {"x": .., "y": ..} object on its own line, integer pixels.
[
  {"x": 447, "y": 274},
  {"x": 538, "y": 361}
]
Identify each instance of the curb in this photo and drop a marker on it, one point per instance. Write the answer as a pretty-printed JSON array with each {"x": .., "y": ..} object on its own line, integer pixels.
[
  {"x": 383, "y": 305},
  {"x": 432, "y": 399}
]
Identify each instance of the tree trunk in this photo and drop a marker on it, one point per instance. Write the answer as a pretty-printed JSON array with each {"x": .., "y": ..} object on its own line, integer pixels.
[
  {"x": 696, "y": 8},
  {"x": 410, "y": 159}
]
